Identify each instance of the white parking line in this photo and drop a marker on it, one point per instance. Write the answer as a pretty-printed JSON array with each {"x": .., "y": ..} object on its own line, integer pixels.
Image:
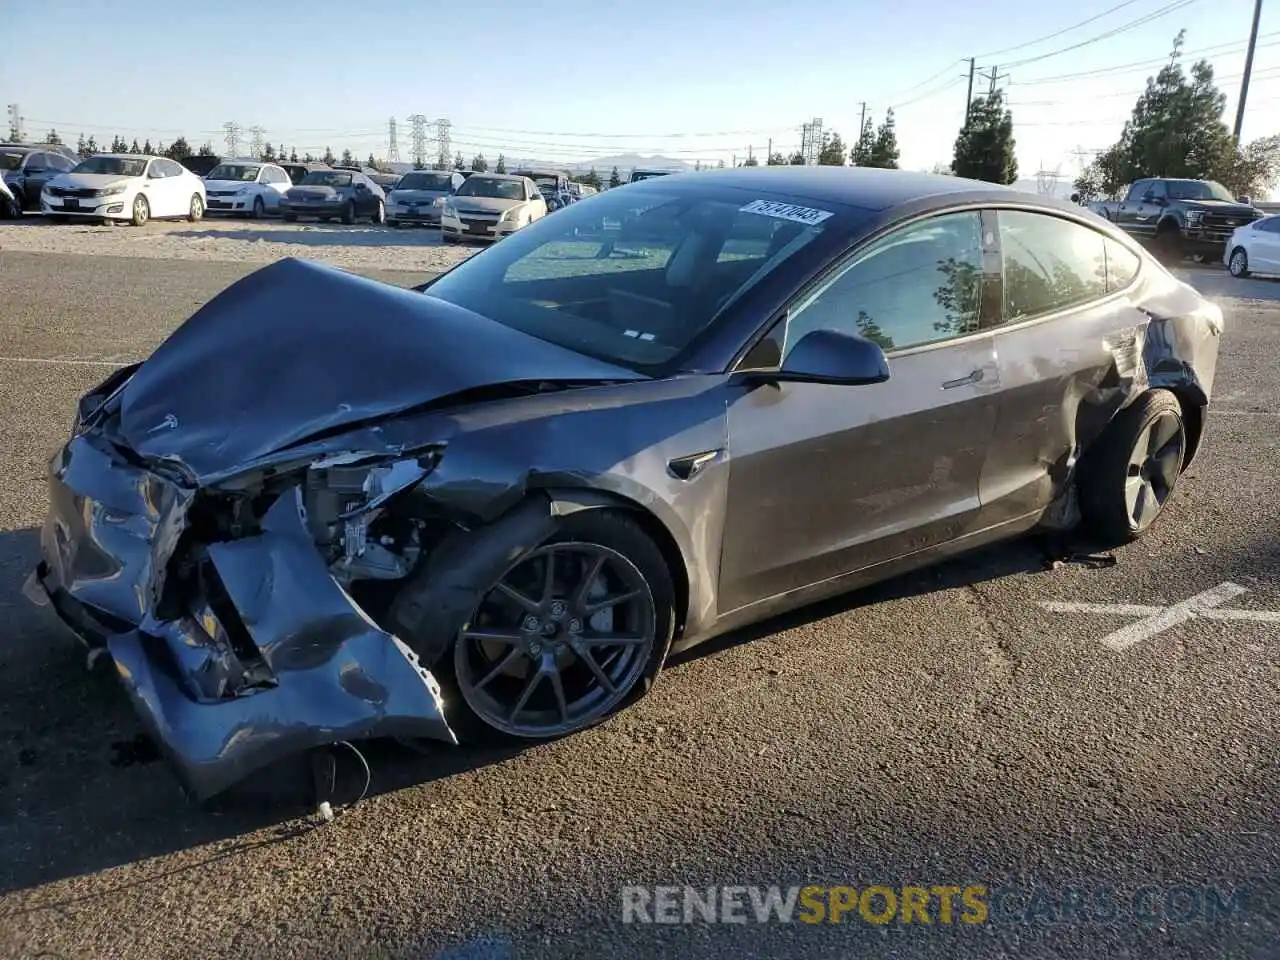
[
  {"x": 68, "y": 361},
  {"x": 1156, "y": 620}
]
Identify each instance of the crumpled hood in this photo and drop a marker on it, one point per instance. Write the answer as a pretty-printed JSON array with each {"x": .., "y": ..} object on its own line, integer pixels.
[{"x": 297, "y": 348}]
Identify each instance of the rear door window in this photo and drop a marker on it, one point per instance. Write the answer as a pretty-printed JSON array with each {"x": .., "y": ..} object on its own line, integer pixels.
[{"x": 1050, "y": 264}]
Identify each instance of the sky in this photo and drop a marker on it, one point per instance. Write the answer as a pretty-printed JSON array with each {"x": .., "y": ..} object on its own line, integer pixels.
[{"x": 689, "y": 79}]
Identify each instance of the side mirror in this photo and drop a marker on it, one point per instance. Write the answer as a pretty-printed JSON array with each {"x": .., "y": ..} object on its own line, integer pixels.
[{"x": 826, "y": 356}]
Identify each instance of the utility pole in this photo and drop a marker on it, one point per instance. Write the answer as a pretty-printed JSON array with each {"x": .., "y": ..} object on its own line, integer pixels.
[
  {"x": 419, "y": 138},
  {"x": 968, "y": 100},
  {"x": 993, "y": 78},
  {"x": 1248, "y": 69},
  {"x": 862, "y": 121},
  {"x": 393, "y": 142},
  {"x": 769, "y": 155},
  {"x": 232, "y": 131}
]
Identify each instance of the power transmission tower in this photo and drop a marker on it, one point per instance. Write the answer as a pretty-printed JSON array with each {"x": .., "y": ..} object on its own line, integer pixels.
[
  {"x": 811, "y": 140},
  {"x": 993, "y": 79},
  {"x": 444, "y": 148},
  {"x": 1248, "y": 70},
  {"x": 256, "y": 135},
  {"x": 1047, "y": 180},
  {"x": 419, "y": 137},
  {"x": 15, "y": 123},
  {"x": 231, "y": 130},
  {"x": 393, "y": 142}
]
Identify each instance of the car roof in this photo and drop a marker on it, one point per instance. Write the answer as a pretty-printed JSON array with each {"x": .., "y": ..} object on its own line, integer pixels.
[
  {"x": 865, "y": 187},
  {"x": 502, "y": 176}
]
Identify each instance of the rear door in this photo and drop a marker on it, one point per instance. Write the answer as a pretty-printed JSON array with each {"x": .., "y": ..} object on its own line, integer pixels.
[
  {"x": 827, "y": 480},
  {"x": 1264, "y": 250},
  {"x": 1066, "y": 324}
]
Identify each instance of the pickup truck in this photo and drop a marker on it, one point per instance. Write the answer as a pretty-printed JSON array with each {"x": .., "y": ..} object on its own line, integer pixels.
[{"x": 1180, "y": 217}]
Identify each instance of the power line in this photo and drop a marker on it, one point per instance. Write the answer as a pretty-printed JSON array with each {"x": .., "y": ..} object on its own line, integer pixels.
[
  {"x": 1057, "y": 33},
  {"x": 1140, "y": 21},
  {"x": 1137, "y": 66}
]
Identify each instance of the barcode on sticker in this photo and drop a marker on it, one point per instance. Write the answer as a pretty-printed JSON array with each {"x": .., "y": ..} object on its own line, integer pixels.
[{"x": 786, "y": 211}]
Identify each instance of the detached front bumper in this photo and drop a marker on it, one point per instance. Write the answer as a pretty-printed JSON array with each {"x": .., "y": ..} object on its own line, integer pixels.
[{"x": 259, "y": 655}]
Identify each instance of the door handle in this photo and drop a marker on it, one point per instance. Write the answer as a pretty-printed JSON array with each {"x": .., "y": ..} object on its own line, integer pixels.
[{"x": 975, "y": 377}]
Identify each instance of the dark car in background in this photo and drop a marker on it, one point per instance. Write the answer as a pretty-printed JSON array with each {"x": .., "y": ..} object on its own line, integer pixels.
[
  {"x": 333, "y": 194},
  {"x": 201, "y": 164},
  {"x": 497, "y": 503},
  {"x": 27, "y": 167},
  {"x": 553, "y": 185},
  {"x": 297, "y": 171},
  {"x": 420, "y": 195},
  {"x": 1180, "y": 217}
]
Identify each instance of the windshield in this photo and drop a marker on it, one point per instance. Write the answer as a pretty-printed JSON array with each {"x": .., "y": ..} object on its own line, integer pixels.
[
  {"x": 11, "y": 161},
  {"x": 115, "y": 166},
  {"x": 492, "y": 187},
  {"x": 326, "y": 178},
  {"x": 1199, "y": 190},
  {"x": 245, "y": 173},
  {"x": 632, "y": 277},
  {"x": 426, "y": 181}
]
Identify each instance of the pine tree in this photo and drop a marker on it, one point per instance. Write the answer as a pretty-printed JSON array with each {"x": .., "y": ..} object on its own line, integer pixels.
[
  {"x": 985, "y": 147},
  {"x": 458, "y": 162},
  {"x": 797, "y": 159},
  {"x": 133, "y": 147},
  {"x": 53, "y": 137},
  {"x": 293, "y": 154},
  {"x": 614, "y": 179},
  {"x": 347, "y": 158},
  {"x": 179, "y": 149},
  {"x": 269, "y": 152},
  {"x": 81, "y": 147},
  {"x": 860, "y": 155},
  {"x": 329, "y": 157},
  {"x": 833, "y": 150},
  {"x": 91, "y": 146},
  {"x": 146, "y": 148},
  {"x": 884, "y": 152},
  {"x": 501, "y": 166},
  {"x": 479, "y": 164}
]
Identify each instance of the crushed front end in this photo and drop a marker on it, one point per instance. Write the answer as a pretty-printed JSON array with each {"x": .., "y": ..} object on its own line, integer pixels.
[{"x": 226, "y": 608}]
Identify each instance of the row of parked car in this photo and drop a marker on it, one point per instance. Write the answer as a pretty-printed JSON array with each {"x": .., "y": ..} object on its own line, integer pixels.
[{"x": 52, "y": 180}]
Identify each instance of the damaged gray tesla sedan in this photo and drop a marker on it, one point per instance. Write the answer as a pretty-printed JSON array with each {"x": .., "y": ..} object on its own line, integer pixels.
[{"x": 328, "y": 508}]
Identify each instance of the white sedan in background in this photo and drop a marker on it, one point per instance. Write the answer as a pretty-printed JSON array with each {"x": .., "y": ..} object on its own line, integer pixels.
[
  {"x": 114, "y": 186},
  {"x": 1254, "y": 248},
  {"x": 248, "y": 188},
  {"x": 491, "y": 205}
]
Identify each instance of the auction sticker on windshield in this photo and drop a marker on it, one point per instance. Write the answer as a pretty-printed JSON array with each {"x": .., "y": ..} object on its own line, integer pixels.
[{"x": 786, "y": 211}]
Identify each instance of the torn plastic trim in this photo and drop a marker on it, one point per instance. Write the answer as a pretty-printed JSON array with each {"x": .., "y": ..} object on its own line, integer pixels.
[{"x": 337, "y": 675}]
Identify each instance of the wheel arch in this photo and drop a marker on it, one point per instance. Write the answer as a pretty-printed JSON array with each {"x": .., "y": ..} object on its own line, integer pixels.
[
  {"x": 1192, "y": 401},
  {"x": 1167, "y": 222}
]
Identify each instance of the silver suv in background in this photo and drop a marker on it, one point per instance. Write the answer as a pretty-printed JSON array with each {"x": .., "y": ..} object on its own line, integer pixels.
[{"x": 419, "y": 196}]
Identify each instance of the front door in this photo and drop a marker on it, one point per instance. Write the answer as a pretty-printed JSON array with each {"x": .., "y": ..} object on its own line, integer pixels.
[{"x": 826, "y": 480}]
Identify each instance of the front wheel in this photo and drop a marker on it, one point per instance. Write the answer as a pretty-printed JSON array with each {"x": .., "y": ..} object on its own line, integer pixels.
[
  {"x": 349, "y": 213},
  {"x": 196, "y": 209},
  {"x": 1239, "y": 263},
  {"x": 141, "y": 211},
  {"x": 379, "y": 213},
  {"x": 1169, "y": 245},
  {"x": 570, "y": 632},
  {"x": 259, "y": 208},
  {"x": 1128, "y": 475}
]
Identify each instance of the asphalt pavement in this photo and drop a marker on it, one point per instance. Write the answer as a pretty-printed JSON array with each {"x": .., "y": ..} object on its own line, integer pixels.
[{"x": 977, "y": 724}]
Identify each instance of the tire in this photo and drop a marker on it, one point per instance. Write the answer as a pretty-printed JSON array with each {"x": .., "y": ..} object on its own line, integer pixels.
[
  {"x": 1129, "y": 473},
  {"x": 290, "y": 218},
  {"x": 195, "y": 211},
  {"x": 1169, "y": 244},
  {"x": 379, "y": 214},
  {"x": 141, "y": 211},
  {"x": 1238, "y": 265},
  {"x": 349, "y": 213},
  {"x": 259, "y": 209},
  {"x": 396, "y": 224},
  {"x": 538, "y": 665}
]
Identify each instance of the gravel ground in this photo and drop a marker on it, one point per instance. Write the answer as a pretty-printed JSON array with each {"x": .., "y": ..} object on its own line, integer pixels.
[
  {"x": 361, "y": 246},
  {"x": 942, "y": 728}
]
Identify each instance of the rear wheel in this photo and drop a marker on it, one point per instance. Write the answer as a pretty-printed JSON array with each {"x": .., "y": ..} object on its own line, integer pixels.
[
  {"x": 1239, "y": 263},
  {"x": 196, "y": 210},
  {"x": 379, "y": 213},
  {"x": 349, "y": 212},
  {"x": 1129, "y": 473}
]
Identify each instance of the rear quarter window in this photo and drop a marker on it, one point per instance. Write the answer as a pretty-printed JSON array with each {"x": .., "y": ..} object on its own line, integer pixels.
[
  {"x": 1050, "y": 264},
  {"x": 1122, "y": 266}
]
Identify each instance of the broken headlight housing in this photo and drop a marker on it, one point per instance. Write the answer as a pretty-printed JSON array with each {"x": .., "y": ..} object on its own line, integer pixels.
[{"x": 343, "y": 496}]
